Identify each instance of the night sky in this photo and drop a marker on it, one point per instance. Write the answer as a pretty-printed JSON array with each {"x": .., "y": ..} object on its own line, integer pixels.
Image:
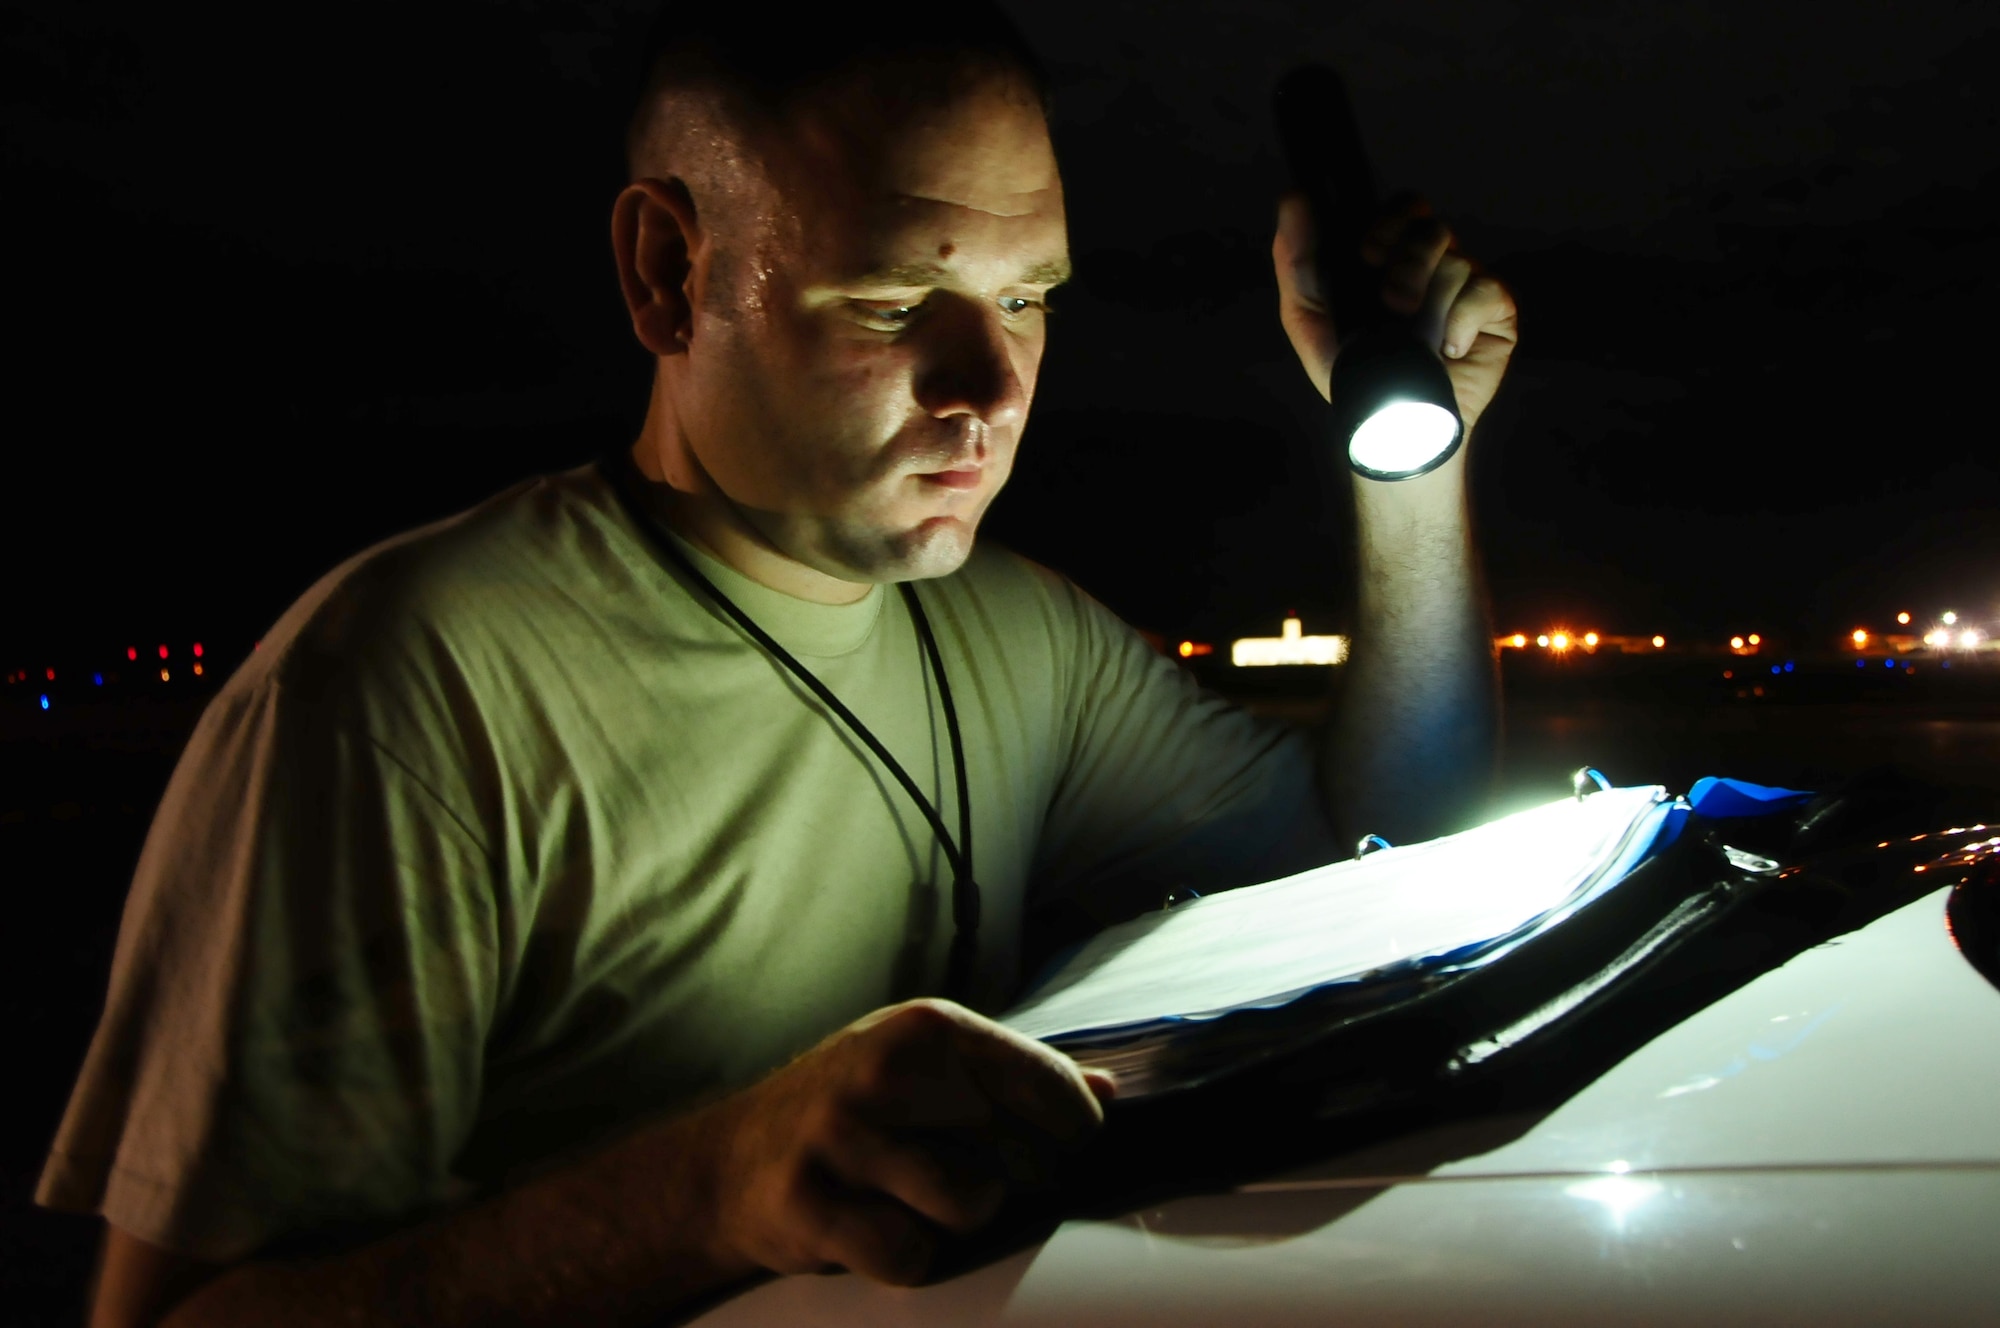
[{"x": 278, "y": 286}]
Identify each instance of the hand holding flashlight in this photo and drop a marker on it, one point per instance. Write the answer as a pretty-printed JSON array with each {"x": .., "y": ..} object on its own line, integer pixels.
[{"x": 1403, "y": 334}]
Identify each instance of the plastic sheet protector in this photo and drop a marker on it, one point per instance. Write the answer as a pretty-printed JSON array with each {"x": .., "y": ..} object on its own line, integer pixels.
[{"x": 1444, "y": 903}]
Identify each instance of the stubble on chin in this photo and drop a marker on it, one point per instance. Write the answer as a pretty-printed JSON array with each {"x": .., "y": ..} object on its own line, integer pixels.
[{"x": 935, "y": 548}]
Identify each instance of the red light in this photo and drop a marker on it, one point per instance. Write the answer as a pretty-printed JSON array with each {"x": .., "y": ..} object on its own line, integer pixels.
[
  {"x": 197, "y": 650},
  {"x": 51, "y": 674},
  {"x": 131, "y": 652},
  {"x": 163, "y": 652}
]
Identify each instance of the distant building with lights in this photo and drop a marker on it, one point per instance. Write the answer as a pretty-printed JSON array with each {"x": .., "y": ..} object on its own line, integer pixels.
[{"x": 1290, "y": 646}]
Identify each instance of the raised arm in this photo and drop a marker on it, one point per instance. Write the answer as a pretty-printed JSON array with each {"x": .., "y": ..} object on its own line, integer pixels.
[{"x": 1408, "y": 751}]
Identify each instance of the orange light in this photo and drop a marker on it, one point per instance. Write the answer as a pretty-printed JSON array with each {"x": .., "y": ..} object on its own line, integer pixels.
[
  {"x": 1860, "y": 638},
  {"x": 197, "y": 670},
  {"x": 1735, "y": 643},
  {"x": 163, "y": 675},
  {"x": 1659, "y": 643},
  {"x": 1187, "y": 649},
  {"x": 1559, "y": 640},
  {"x": 1590, "y": 638},
  {"x": 1903, "y": 618},
  {"x": 1520, "y": 640},
  {"x": 1756, "y": 640},
  {"x": 1729, "y": 673}
]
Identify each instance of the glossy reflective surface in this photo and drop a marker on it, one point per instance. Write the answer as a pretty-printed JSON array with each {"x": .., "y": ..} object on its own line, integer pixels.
[{"x": 1820, "y": 1146}]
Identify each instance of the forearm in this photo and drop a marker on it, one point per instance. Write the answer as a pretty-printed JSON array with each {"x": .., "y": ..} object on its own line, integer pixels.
[
  {"x": 619, "y": 1236},
  {"x": 1410, "y": 744}
]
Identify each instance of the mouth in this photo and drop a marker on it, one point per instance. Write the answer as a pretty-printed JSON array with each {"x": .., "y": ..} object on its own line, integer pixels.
[{"x": 955, "y": 479}]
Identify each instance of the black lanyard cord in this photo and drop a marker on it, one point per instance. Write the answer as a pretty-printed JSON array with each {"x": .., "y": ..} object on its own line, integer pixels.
[{"x": 620, "y": 469}]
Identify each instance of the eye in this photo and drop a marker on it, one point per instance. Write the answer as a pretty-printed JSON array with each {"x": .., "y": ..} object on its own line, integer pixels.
[
  {"x": 1016, "y": 305},
  {"x": 890, "y": 316}
]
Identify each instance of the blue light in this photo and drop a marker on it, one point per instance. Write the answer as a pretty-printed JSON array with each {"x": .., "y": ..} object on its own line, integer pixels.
[
  {"x": 1788, "y": 666},
  {"x": 1776, "y": 669},
  {"x": 1888, "y": 663},
  {"x": 45, "y": 702},
  {"x": 97, "y": 679},
  {"x": 1860, "y": 663}
]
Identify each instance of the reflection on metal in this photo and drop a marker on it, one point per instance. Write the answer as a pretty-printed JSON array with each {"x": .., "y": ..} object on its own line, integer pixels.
[
  {"x": 1754, "y": 863},
  {"x": 1619, "y": 1194},
  {"x": 1587, "y": 780}
]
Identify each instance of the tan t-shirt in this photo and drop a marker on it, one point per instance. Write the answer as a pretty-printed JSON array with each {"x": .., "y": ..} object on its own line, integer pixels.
[{"x": 505, "y": 837}]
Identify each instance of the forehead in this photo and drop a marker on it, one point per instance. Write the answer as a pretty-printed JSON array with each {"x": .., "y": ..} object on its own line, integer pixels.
[{"x": 975, "y": 170}]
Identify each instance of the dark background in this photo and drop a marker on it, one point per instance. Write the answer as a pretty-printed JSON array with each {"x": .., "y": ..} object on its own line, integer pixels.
[{"x": 282, "y": 281}]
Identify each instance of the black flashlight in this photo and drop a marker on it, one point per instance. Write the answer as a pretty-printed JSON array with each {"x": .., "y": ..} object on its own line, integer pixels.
[{"x": 1394, "y": 413}]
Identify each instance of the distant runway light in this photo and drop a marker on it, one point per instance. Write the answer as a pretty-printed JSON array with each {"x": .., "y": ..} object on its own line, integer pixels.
[
  {"x": 1949, "y": 618},
  {"x": 1590, "y": 638},
  {"x": 1543, "y": 640},
  {"x": 1903, "y": 618},
  {"x": 1860, "y": 638},
  {"x": 1756, "y": 640},
  {"x": 1735, "y": 643},
  {"x": 1659, "y": 643}
]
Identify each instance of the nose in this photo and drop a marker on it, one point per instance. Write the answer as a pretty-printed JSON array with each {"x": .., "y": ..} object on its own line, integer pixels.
[{"x": 977, "y": 366}]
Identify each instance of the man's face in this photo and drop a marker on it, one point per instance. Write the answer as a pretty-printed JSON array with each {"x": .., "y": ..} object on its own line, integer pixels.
[{"x": 861, "y": 365}]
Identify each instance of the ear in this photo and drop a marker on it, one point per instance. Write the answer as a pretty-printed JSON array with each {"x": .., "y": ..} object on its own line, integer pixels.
[{"x": 656, "y": 237}]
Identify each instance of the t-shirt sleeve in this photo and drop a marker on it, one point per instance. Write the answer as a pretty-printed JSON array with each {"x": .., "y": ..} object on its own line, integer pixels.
[
  {"x": 1166, "y": 785},
  {"x": 304, "y": 975}
]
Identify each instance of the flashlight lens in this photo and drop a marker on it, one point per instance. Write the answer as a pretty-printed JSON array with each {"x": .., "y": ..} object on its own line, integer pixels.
[{"x": 1402, "y": 436}]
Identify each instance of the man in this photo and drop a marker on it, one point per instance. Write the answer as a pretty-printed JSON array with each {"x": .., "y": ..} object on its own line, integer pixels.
[{"x": 527, "y": 937}]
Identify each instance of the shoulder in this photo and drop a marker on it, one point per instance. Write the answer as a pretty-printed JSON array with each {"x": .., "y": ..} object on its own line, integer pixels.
[
  {"x": 1019, "y": 594},
  {"x": 429, "y": 617}
]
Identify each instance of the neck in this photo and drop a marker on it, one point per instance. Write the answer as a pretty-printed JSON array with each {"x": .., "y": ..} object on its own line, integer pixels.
[{"x": 699, "y": 511}]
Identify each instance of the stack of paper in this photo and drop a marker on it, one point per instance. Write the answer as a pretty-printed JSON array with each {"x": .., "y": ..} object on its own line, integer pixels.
[{"x": 1397, "y": 914}]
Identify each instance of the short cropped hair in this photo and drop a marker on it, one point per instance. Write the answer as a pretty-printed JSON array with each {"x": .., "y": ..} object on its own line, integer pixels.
[{"x": 763, "y": 60}]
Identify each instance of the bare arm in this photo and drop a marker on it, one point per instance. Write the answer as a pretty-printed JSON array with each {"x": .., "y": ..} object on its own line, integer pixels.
[
  {"x": 1409, "y": 750},
  {"x": 861, "y": 1154}
]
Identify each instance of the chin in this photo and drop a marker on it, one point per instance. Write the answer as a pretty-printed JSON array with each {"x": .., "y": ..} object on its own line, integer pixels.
[{"x": 936, "y": 548}]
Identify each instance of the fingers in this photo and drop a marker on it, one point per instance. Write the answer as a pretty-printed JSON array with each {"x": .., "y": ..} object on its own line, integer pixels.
[
  {"x": 1293, "y": 251},
  {"x": 1033, "y": 1082},
  {"x": 1481, "y": 310},
  {"x": 869, "y": 1234},
  {"x": 1302, "y": 310},
  {"x": 1447, "y": 280},
  {"x": 1411, "y": 263},
  {"x": 915, "y": 1121},
  {"x": 933, "y": 1177}
]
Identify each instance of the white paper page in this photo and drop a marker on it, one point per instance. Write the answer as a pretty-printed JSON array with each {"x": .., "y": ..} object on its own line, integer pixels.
[{"x": 1264, "y": 942}]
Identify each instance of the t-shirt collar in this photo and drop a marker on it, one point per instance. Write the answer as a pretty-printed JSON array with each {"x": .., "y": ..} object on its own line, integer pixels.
[{"x": 802, "y": 626}]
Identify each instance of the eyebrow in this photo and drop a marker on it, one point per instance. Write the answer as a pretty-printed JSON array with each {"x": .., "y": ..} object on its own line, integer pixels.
[{"x": 1049, "y": 272}]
